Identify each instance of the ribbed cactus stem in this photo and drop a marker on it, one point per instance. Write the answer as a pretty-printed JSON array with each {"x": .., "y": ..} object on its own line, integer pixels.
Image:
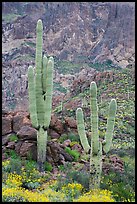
[
  {"x": 110, "y": 125},
  {"x": 96, "y": 145},
  {"x": 32, "y": 97},
  {"x": 95, "y": 168},
  {"x": 49, "y": 91},
  {"x": 39, "y": 88},
  {"x": 44, "y": 73},
  {"x": 81, "y": 129},
  {"x": 94, "y": 117},
  {"x": 39, "y": 42},
  {"x": 41, "y": 147},
  {"x": 40, "y": 95}
]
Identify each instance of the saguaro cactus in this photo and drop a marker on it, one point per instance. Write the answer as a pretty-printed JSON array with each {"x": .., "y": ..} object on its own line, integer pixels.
[
  {"x": 96, "y": 146},
  {"x": 40, "y": 87}
]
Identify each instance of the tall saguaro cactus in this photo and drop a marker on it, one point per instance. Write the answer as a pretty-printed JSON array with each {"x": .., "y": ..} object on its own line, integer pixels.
[
  {"x": 96, "y": 146},
  {"x": 40, "y": 87}
]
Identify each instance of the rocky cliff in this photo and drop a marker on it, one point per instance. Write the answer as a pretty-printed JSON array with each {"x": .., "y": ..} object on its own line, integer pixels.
[{"x": 80, "y": 32}]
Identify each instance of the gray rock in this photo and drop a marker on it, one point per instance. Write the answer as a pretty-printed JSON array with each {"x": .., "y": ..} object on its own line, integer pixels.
[{"x": 27, "y": 133}]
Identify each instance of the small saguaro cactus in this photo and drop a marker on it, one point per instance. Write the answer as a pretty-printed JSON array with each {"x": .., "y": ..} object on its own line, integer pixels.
[
  {"x": 95, "y": 149},
  {"x": 40, "y": 88}
]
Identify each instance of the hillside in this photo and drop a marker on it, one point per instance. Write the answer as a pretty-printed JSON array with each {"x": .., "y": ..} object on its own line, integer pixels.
[
  {"x": 78, "y": 35},
  {"x": 72, "y": 167}
]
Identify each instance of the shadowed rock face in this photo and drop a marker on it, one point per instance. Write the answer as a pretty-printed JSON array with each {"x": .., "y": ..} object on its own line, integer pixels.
[{"x": 96, "y": 31}]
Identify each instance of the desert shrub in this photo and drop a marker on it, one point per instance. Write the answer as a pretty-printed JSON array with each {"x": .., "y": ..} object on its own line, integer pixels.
[
  {"x": 120, "y": 184},
  {"x": 81, "y": 177},
  {"x": 73, "y": 137},
  {"x": 14, "y": 166},
  {"x": 96, "y": 195},
  {"x": 73, "y": 153},
  {"x": 48, "y": 166},
  {"x": 22, "y": 195},
  {"x": 72, "y": 190},
  {"x": 54, "y": 196},
  {"x": 30, "y": 164},
  {"x": 12, "y": 154},
  {"x": 32, "y": 179}
]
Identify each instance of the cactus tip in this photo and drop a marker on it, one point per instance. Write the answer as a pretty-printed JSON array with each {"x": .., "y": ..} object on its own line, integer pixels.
[
  {"x": 79, "y": 109},
  {"x": 39, "y": 21},
  {"x": 39, "y": 24},
  {"x": 113, "y": 101},
  {"x": 51, "y": 58}
]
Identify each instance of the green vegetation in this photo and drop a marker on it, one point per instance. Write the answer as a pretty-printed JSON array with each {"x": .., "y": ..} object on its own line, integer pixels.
[
  {"x": 48, "y": 166},
  {"x": 66, "y": 67},
  {"x": 73, "y": 137},
  {"x": 73, "y": 153},
  {"x": 59, "y": 87},
  {"x": 30, "y": 44},
  {"x": 8, "y": 18},
  {"x": 13, "y": 138}
]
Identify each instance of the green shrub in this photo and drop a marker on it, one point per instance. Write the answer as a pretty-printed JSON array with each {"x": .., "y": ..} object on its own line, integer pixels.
[
  {"x": 13, "y": 138},
  {"x": 81, "y": 177},
  {"x": 73, "y": 153},
  {"x": 12, "y": 154},
  {"x": 15, "y": 165},
  {"x": 120, "y": 185},
  {"x": 48, "y": 166}
]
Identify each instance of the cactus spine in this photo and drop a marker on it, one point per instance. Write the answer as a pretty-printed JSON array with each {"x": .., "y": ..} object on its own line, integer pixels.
[
  {"x": 96, "y": 146},
  {"x": 40, "y": 87}
]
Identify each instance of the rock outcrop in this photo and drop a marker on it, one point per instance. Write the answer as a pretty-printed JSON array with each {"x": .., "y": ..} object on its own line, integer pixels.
[{"x": 19, "y": 124}]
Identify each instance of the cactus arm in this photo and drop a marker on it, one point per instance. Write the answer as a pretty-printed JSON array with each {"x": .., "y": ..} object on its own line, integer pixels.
[
  {"x": 49, "y": 90},
  {"x": 110, "y": 125},
  {"x": 49, "y": 78},
  {"x": 94, "y": 117},
  {"x": 44, "y": 73},
  {"x": 32, "y": 98},
  {"x": 81, "y": 129},
  {"x": 41, "y": 147}
]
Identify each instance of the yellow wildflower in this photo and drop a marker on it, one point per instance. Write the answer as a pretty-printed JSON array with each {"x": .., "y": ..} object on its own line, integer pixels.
[
  {"x": 14, "y": 180},
  {"x": 96, "y": 195}
]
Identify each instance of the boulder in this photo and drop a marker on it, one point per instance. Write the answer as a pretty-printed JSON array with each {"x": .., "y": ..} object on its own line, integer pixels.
[
  {"x": 27, "y": 133},
  {"x": 56, "y": 124},
  {"x": 28, "y": 150},
  {"x": 19, "y": 120},
  {"x": 5, "y": 139},
  {"x": 6, "y": 124},
  {"x": 53, "y": 134},
  {"x": 71, "y": 122},
  {"x": 11, "y": 145}
]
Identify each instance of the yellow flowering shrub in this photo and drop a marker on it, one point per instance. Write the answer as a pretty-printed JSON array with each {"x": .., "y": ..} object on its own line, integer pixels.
[
  {"x": 5, "y": 163},
  {"x": 32, "y": 179},
  {"x": 96, "y": 195},
  {"x": 73, "y": 186},
  {"x": 21, "y": 194},
  {"x": 50, "y": 184},
  {"x": 14, "y": 180},
  {"x": 72, "y": 190},
  {"x": 73, "y": 143},
  {"x": 54, "y": 196}
]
